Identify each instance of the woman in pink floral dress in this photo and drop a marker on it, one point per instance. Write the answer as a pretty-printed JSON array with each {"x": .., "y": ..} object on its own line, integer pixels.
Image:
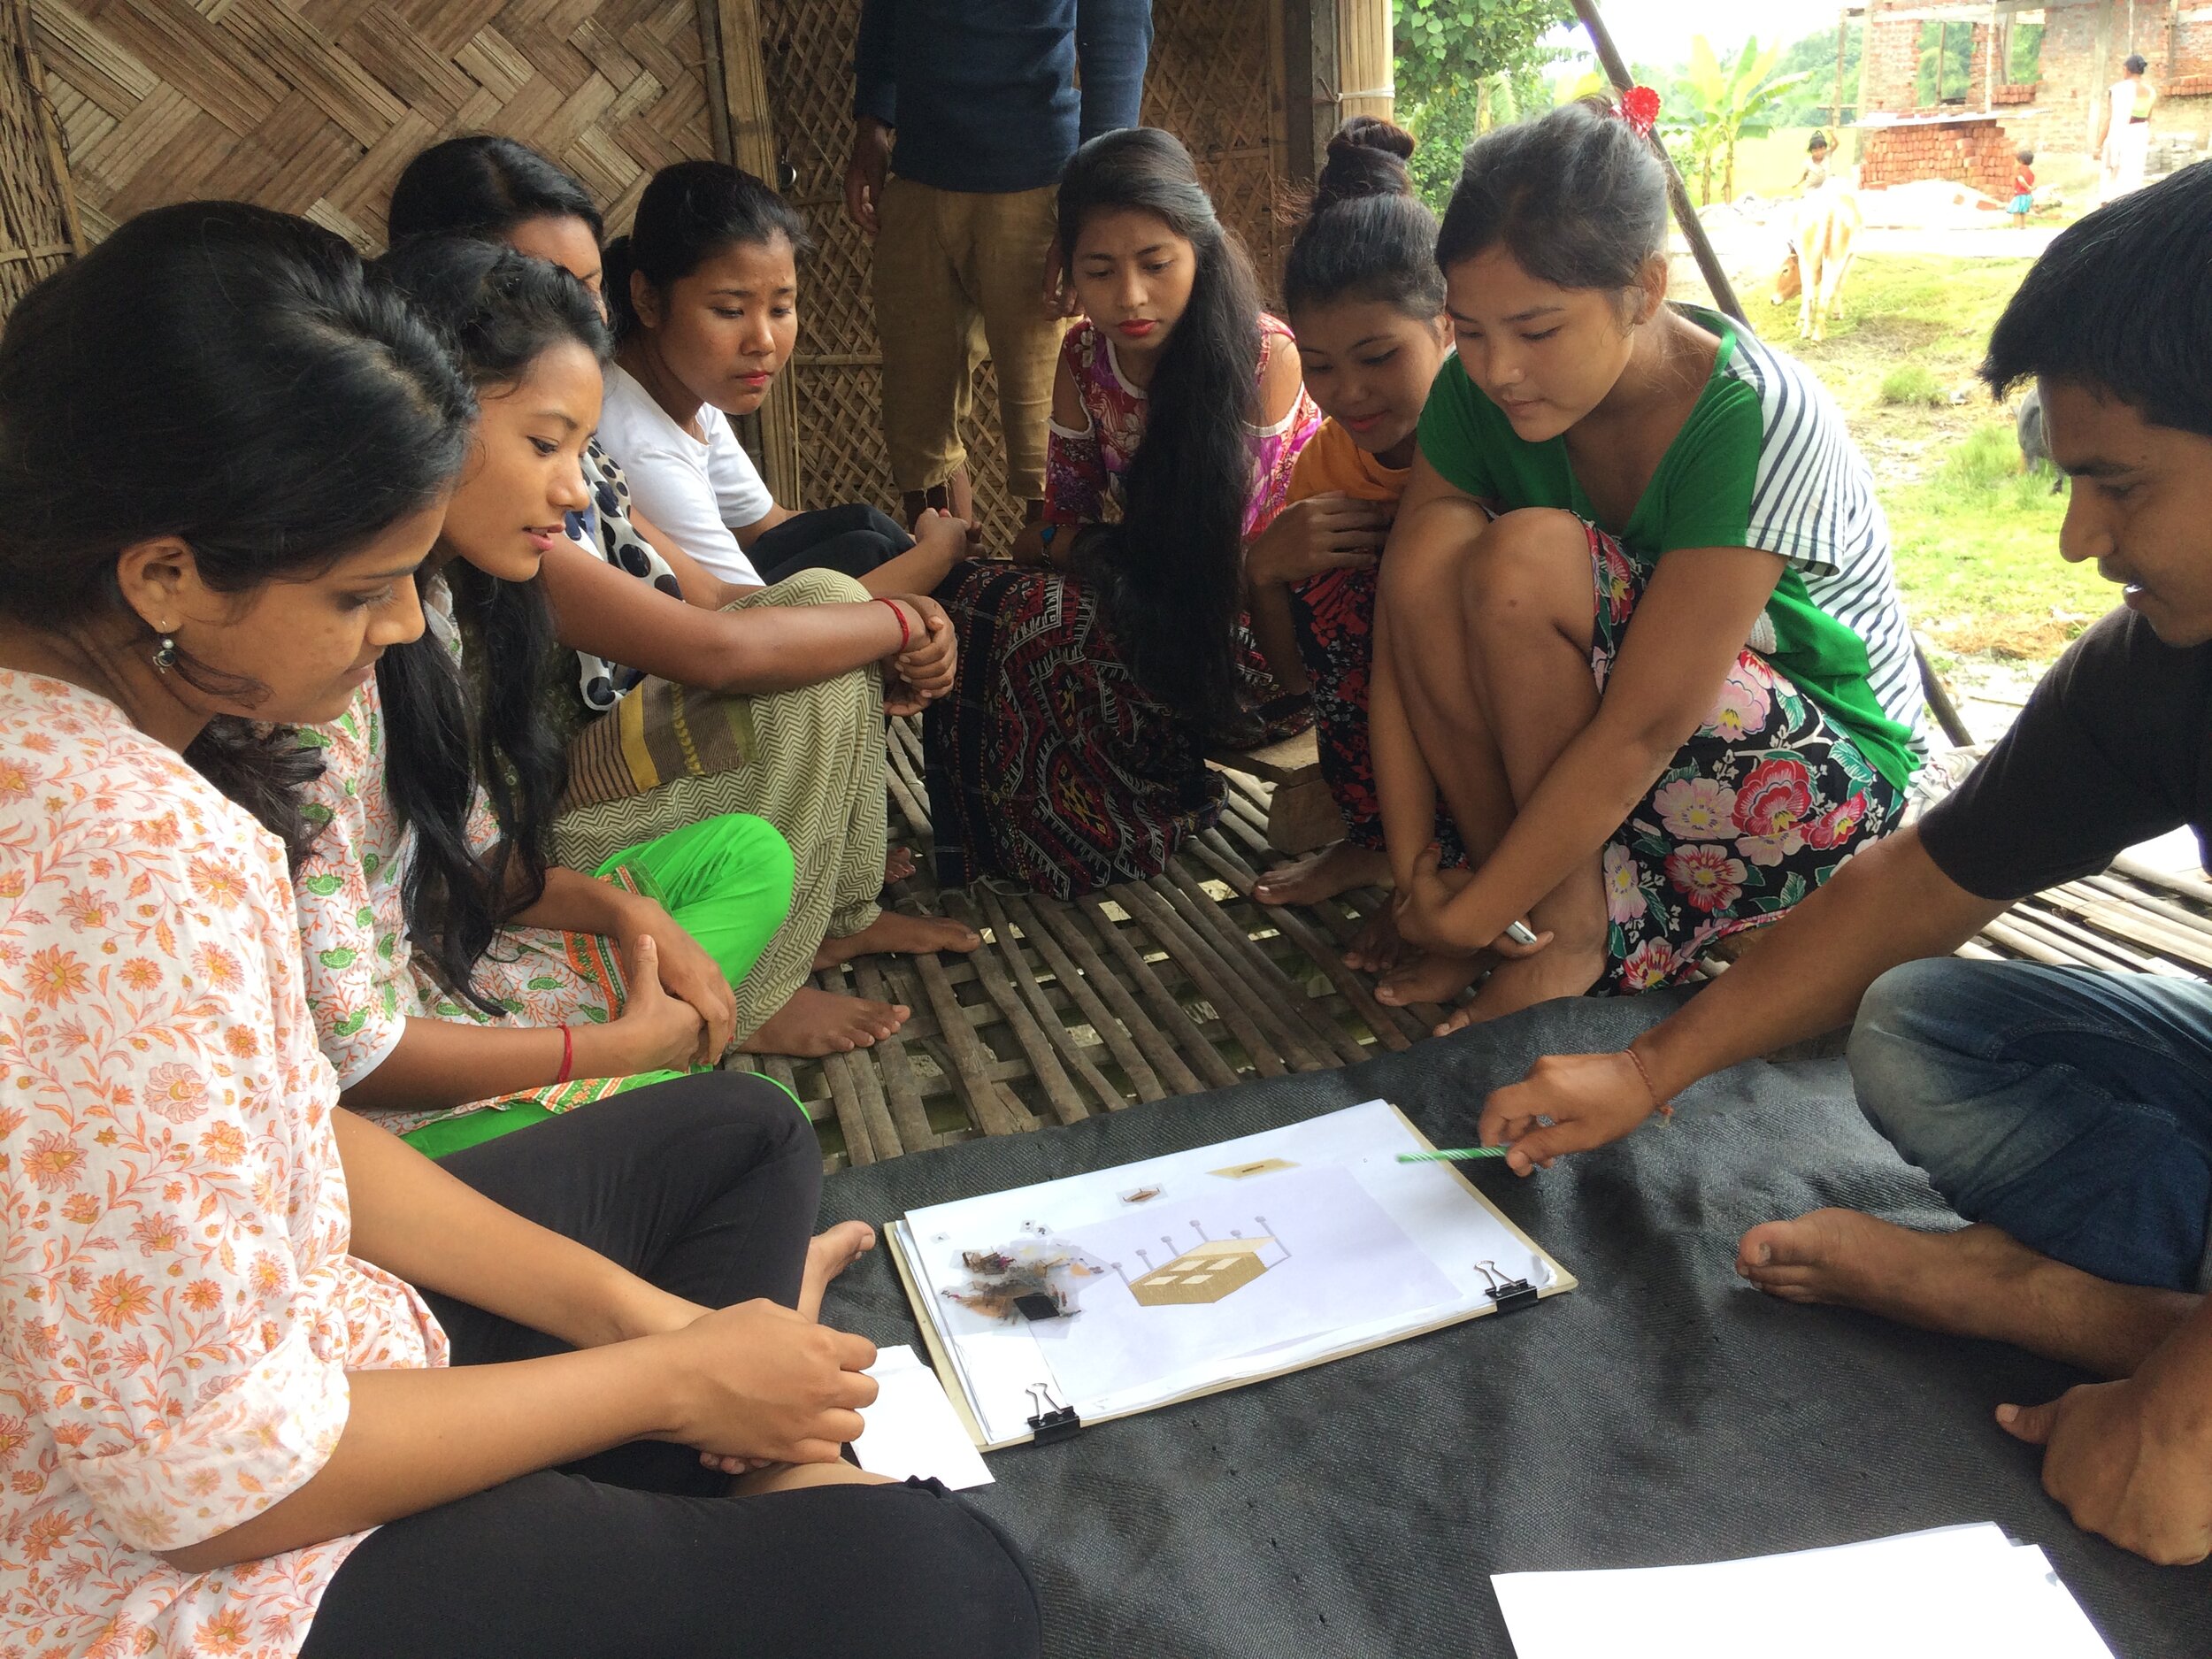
[
  {"x": 1072, "y": 752},
  {"x": 272, "y": 1383}
]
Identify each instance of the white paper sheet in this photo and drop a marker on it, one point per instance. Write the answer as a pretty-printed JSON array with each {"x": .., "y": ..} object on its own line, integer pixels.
[
  {"x": 912, "y": 1430},
  {"x": 1956, "y": 1593},
  {"x": 1326, "y": 1244}
]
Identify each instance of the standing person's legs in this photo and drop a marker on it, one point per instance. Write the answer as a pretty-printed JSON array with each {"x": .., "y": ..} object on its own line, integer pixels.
[
  {"x": 1002, "y": 261},
  {"x": 925, "y": 326},
  {"x": 2068, "y": 1115}
]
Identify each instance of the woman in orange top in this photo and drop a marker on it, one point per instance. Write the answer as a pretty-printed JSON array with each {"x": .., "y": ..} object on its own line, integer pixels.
[{"x": 1366, "y": 300}]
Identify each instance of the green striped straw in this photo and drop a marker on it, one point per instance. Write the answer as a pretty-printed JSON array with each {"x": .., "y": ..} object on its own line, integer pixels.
[{"x": 1456, "y": 1155}]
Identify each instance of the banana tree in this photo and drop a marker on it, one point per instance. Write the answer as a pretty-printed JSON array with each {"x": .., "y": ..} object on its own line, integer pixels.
[{"x": 1719, "y": 104}]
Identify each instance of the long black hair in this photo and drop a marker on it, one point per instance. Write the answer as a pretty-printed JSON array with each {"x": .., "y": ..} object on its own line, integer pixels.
[
  {"x": 500, "y": 311},
  {"x": 483, "y": 186},
  {"x": 2120, "y": 303},
  {"x": 1171, "y": 572},
  {"x": 691, "y": 211},
  {"x": 1365, "y": 234},
  {"x": 1576, "y": 197},
  {"x": 231, "y": 377}
]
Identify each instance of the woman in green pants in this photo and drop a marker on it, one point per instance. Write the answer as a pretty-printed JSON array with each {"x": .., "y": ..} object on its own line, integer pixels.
[{"x": 463, "y": 985}]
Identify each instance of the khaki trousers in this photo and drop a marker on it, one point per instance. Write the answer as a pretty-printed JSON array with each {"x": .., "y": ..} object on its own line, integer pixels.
[{"x": 959, "y": 276}]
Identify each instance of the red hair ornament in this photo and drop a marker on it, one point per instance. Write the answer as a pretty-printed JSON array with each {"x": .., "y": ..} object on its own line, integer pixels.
[{"x": 1640, "y": 107}]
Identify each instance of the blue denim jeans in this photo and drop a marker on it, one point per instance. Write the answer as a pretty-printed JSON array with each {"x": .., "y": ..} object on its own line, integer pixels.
[{"x": 2070, "y": 1107}]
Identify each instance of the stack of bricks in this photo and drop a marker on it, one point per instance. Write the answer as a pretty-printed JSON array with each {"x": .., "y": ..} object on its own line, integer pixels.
[
  {"x": 1977, "y": 153},
  {"x": 2018, "y": 92}
]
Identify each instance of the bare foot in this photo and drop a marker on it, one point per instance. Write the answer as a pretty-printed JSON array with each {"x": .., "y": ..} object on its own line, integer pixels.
[
  {"x": 1337, "y": 869},
  {"x": 895, "y": 931},
  {"x": 815, "y": 1023},
  {"x": 1377, "y": 946},
  {"x": 1978, "y": 1281},
  {"x": 1429, "y": 977},
  {"x": 828, "y": 1254},
  {"x": 1522, "y": 982},
  {"x": 898, "y": 863}
]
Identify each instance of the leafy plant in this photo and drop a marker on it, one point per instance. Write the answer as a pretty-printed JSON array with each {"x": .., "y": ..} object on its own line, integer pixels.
[
  {"x": 1464, "y": 66},
  {"x": 1719, "y": 104},
  {"x": 1913, "y": 383}
]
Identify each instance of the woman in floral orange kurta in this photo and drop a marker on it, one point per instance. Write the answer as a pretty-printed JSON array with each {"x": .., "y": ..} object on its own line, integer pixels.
[
  {"x": 178, "y": 1348},
  {"x": 272, "y": 1383}
]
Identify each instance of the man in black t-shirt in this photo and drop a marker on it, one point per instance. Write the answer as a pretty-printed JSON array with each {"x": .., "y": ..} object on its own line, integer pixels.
[{"x": 2066, "y": 1113}]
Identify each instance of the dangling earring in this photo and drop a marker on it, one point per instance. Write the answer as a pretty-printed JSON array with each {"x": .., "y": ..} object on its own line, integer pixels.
[{"x": 166, "y": 654}]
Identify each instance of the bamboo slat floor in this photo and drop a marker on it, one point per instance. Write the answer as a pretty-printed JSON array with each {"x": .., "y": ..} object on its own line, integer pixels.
[{"x": 1183, "y": 983}]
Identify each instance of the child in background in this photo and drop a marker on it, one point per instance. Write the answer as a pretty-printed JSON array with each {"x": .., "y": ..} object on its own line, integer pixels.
[
  {"x": 1367, "y": 302},
  {"x": 2023, "y": 187},
  {"x": 1815, "y": 175}
]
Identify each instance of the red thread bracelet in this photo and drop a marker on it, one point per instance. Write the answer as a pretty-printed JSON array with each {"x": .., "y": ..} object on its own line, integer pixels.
[
  {"x": 568, "y": 1054},
  {"x": 906, "y": 630},
  {"x": 1665, "y": 1108}
]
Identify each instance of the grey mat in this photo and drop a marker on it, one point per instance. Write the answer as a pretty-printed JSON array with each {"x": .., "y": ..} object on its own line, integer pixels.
[{"x": 1664, "y": 1412}]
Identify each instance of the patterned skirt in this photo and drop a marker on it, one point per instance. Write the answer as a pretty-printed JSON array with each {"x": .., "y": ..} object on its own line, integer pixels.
[
  {"x": 1763, "y": 804},
  {"x": 1048, "y": 764}
]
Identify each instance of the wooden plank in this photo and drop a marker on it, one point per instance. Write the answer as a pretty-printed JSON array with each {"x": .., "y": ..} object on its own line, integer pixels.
[
  {"x": 1118, "y": 1040},
  {"x": 1380, "y": 1019},
  {"x": 1215, "y": 983},
  {"x": 1315, "y": 1033},
  {"x": 970, "y": 1065},
  {"x": 998, "y": 985},
  {"x": 1174, "y": 1077},
  {"x": 1202, "y": 1055},
  {"x": 902, "y": 1091},
  {"x": 1070, "y": 1052},
  {"x": 845, "y": 1097}
]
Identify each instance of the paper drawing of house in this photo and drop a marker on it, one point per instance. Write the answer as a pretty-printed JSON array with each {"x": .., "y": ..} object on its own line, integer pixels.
[{"x": 1205, "y": 1273}]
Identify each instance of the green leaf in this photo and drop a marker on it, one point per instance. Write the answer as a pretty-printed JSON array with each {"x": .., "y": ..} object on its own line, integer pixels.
[
  {"x": 339, "y": 958},
  {"x": 323, "y": 887},
  {"x": 547, "y": 982}
]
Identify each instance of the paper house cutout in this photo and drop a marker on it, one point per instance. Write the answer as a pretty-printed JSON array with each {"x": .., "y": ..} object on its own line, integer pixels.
[{"x": 1204, "y": 1273}]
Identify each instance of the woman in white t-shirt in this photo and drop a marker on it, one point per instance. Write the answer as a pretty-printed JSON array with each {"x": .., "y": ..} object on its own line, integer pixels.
[
  {"x": 704, "y": 292},
  {"x": 659, "y": 647}
]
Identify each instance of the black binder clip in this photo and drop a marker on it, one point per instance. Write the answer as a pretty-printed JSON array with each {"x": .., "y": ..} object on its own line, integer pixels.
[
  {"x": 1507, "y": 1293},
  {"x": 1052, "y": 1421}
]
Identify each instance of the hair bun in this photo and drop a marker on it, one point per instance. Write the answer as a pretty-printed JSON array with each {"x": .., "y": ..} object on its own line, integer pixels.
[{"x": 1367, "y": 157}]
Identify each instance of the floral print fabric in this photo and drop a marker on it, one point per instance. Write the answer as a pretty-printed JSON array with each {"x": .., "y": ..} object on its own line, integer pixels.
[
  {"x": 177, "y": 1310},
  {"x": 1083, "y": 470},
  {"x": 1763, "y": 804},
  {"x": 363, "y": 981}
]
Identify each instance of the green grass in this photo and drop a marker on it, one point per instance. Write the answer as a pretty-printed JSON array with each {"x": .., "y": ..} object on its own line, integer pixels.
[{"x": 1912, "y": 383}]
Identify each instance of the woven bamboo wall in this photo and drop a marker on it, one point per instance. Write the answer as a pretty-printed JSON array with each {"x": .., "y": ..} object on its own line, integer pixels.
[
  {"x": 313, "y": 106},
  {"x": 1213, "y": 80},
  {"x": 37, "y": 229}
]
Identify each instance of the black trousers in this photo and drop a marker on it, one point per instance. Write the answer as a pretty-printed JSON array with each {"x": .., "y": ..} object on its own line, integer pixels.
[
  {"x": 854, "y": 538},
  {"x": 707, "y": 1186}
]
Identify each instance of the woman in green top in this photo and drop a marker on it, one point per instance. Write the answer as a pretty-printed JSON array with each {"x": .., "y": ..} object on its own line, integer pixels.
[{"x": 1637, "y": 622}]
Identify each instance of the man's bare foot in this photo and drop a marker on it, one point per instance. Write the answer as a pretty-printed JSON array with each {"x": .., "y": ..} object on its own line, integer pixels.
[
  {"x": 1334, "y": 869},
  {"x": 1378, "y": 945},
  {"x": 1978, "y": 1281},
  {"x": 1429, "y": 977},
  {"x": 895, "y": 931},
  {"x": 1522, "y": 982},
  {"x": 828, "y": 1254},
  {"x": 898, "y": 863},
  {"x": 815, "y": 1023}
]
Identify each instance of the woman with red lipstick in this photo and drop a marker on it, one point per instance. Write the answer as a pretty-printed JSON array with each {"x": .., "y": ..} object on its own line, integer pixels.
[
  {"x": 1637, "y": 621},
  {"x": 1367, "y": 300},
  {"x": 1072, "y": 753}
]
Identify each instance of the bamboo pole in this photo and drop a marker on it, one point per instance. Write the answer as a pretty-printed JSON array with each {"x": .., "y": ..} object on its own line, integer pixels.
[{"x": 1708, "y": 266}]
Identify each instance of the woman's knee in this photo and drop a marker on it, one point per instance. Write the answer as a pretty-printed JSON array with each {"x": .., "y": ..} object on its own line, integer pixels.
[
  {"x": 757, "y": 861},
  {"x": 1532, "y": 562},
  {"x": 815, "y": 588},
  {"x": 963, "y": 1589}
]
